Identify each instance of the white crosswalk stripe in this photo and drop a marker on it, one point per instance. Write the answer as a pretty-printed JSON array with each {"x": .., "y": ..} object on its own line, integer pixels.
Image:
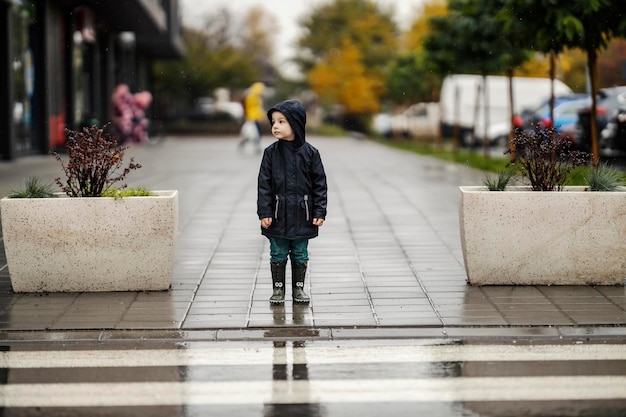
[
  {"x": 310, "y": 373},
  {"x": 314, "y": 355},
  {"x": 324, "y": 391}
]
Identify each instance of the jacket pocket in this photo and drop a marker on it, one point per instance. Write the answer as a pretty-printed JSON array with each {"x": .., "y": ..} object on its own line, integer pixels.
[
  {"x": 306, "y": 208},
  {"x": 276, "y": 206}
]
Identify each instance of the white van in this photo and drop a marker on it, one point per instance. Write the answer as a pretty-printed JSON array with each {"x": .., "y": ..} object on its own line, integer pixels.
[{"x": 463, "y": 96}]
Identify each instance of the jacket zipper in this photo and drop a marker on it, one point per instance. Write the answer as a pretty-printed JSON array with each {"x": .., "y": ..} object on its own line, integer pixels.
[
  {"x": 306, "y": 206},
  {"x": 276, "y": 209}
]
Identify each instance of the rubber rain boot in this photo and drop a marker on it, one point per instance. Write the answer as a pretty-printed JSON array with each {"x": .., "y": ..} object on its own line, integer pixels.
[
  {"x": 278, "y": 280},
  {"x": 298, "y": 273}
]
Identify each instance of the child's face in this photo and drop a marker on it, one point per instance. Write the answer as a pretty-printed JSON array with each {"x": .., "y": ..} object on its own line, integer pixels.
[{"x": 281, "y": 129}]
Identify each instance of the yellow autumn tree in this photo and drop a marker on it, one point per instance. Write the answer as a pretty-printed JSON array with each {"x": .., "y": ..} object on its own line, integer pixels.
[
  {"x": 420, "y": 28},
  {"x": 343, "y": 79}
]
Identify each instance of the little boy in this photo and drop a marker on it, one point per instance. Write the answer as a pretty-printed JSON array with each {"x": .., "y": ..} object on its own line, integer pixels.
[{"x": 291, "y": 201}]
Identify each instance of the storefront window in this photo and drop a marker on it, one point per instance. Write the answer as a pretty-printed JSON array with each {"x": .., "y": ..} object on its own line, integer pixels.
[
  {"x": 83, "y": 67},
  {"x": 23, "y": 77},
  {"x": 79, "y": 74}
]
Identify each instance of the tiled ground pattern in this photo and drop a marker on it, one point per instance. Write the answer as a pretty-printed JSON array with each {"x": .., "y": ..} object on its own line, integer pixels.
[{"x": 388, "y": 256}]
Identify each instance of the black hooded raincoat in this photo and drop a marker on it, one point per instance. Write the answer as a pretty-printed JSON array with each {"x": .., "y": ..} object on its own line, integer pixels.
[{"x": 292, "y": 183}]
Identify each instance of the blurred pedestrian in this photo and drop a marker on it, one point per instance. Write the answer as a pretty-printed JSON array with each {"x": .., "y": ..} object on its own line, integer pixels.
[
  {"x": 129, "y": 114},
  {"x": 254, "y": 112},
  {"x": 291, "y": 202}
]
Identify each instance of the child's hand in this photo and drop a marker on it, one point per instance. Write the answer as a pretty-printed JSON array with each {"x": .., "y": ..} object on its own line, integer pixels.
[
  {"x": 266, "y": 222},
  {"x": 318, "y": 222}
]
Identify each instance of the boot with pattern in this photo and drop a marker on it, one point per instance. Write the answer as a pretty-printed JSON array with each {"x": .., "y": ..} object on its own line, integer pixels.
[
  {"x": 278, "y": 283},
  {"x": 298, "y": 274}
]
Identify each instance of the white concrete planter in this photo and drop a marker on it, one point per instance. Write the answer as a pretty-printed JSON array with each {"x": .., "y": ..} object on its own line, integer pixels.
[
  {"x": 90, "y": 244},
  {"x": 523, "y": 237}
]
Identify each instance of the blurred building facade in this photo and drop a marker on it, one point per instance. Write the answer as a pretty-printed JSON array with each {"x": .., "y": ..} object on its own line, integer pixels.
[{"x": 61, "y": 59}]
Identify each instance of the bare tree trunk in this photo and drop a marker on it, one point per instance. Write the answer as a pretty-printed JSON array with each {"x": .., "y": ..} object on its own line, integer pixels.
[
  {"x": 552, "y": 77},
  {"x": 592, "y": 65},
  {"x": 457, "y": 118},
  {"x": 486, "y": 117},
  {"x": 509, "y": 74},
  {"x": 476, "y": 113},
  {"x": 439, "y": 138}
]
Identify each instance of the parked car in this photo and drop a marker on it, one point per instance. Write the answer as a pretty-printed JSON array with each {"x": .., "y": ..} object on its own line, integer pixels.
[
  {"x": 207, "y": 108},
  {"x": 462, "y": 103},
  {"x": 420, "y": 120},
  {"x": 608, "y": 104},
  {"x": 424, "y": 120},
  {"x": 565, "y": 111},
  {"x": 564, "y": 114},
  {"x": 613, "y": 136},
  {"x": 381, "y": 124}
]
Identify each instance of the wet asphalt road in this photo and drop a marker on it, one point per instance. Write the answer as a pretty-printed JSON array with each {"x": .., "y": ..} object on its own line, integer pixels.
[{"x": 315, "y": 379}]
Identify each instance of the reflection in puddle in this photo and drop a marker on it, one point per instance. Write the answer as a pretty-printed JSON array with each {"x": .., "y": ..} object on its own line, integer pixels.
[
  {"x": 289, "y": 399},
  {"x": 300, "y": 312},
  {"x": 300, "y": 315},
  {"x": 278, "y": 313}
]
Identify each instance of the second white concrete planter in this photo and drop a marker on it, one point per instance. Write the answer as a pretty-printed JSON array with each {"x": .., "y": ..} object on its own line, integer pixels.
[
  {"x": 83, "y": 244},
  {"x": 523, "y": 237}
]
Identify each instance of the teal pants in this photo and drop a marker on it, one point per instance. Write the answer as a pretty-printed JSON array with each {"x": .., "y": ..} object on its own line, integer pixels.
[{"x": 297, "y": 250}]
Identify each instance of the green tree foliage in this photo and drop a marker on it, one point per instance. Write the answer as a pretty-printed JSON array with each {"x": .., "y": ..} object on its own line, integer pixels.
[
  {"x": 411, "y": 79},
  {"x": 221, "y": 54},
  {"x": 342, "y": 79},
  {"x": 471, "y": 39},
  {"x": 370, "y": 29},
  {"x": 345, "y": 49},
  {"x": 421, "y": 28},
  {"x": 555, "y": 24}
]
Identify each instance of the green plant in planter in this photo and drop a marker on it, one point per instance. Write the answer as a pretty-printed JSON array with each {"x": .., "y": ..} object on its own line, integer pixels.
[
  {"x": 34, "y": 188},
  {"x": 604, "y": 178},
  {"x": 545, "y": 157},
  {"x": 95, "y": 163},
  {"x": 128, "y": 192},
  {"x": 500, "y": 181}
]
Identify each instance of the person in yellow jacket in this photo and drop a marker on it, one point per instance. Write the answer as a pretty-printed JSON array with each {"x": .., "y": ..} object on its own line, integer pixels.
[{"x": 254, "y": 113}]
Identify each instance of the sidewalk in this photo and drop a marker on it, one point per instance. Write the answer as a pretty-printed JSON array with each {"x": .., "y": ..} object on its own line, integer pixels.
[{"x": 387, "y": 263}]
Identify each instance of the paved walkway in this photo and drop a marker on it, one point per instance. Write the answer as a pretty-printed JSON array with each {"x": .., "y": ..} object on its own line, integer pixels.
[{"x": 387, "y": 263}]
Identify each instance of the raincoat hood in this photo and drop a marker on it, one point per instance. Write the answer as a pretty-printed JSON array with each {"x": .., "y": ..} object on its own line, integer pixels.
[
  {"x": 257, "y": 88},
  {"x": 296, "y": 116}
]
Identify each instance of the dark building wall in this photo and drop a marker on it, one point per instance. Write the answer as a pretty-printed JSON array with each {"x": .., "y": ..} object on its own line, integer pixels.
[
  {"x": 6, "y": 125},
  {"x": 78, "y": 56}
]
